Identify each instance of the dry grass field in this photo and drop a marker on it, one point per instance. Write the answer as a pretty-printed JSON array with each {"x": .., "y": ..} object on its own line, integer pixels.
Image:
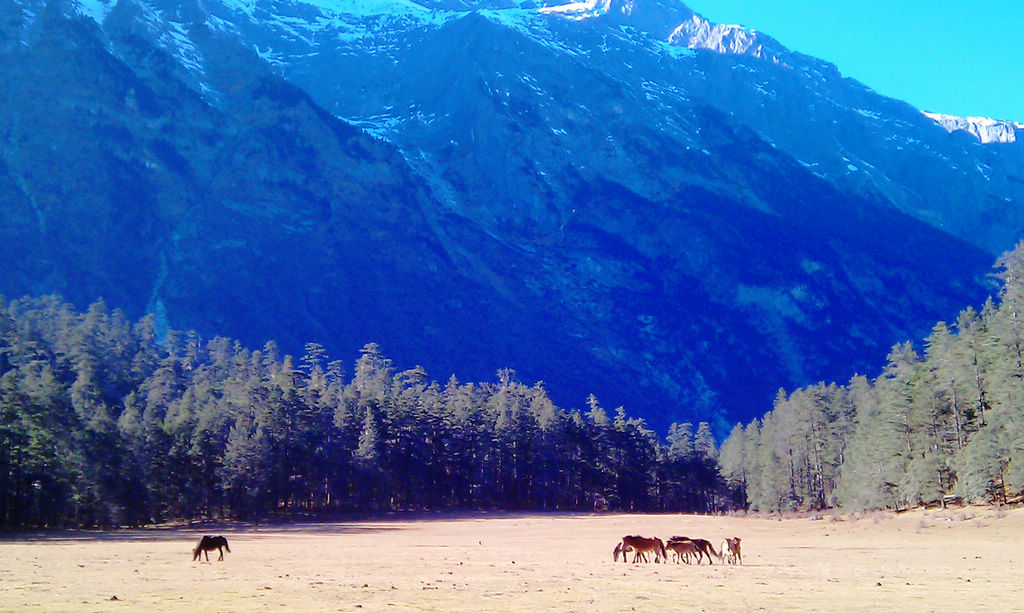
[{"x": 954, "y": 560}]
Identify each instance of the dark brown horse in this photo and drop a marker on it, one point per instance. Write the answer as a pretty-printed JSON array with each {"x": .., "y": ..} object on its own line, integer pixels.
[
  {"x": 208, "y": 544},
  {"x": 703, "y": 547}
]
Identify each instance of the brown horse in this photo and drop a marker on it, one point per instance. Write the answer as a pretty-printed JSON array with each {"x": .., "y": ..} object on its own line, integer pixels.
[
  {"x": 731, "y": 550},
  {"x": 640, "y": 547},
  {"x": 208, "y": 544},
  {"x": 703, "y": 547},
  {"x": 683, "y": 550}
]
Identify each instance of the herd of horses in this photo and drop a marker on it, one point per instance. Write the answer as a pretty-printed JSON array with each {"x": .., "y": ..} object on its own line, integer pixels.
[{"x": 684, "y": 549}]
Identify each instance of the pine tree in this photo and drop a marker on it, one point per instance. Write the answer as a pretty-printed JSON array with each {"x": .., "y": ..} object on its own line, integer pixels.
[{"x": 734, "y": 463}]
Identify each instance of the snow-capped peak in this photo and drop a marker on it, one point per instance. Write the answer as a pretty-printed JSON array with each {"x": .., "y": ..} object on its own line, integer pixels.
[
  {"x": 603, "y": 7},
  {"x": 699, "y": 33},
  {"x": 985, "y": 129},
  {"x": 656, "y": 17}
]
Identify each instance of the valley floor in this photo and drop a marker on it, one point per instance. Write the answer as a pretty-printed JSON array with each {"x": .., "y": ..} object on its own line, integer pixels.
[{"x": 953, "y": 560}]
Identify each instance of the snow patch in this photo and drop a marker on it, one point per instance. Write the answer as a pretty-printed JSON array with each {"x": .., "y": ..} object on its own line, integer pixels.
[
  {"x": 699, "y": 33},
  {"x": 530, "y": 22},
  {"x": 365, "y": 8},
  {"x": 359, "y": 8},
  {"x": 97, "y": 10},
  {"x": 381, "y": 127},
  {"x": 985, "y": 129},
  {"x": 523, "y": 20},
  {"x": 578, "y": 10},
  {"x": 676, "y": 51}
]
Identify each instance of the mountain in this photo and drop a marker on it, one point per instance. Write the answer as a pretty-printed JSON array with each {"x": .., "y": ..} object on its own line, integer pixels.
[{"x": 614, "y": 196}]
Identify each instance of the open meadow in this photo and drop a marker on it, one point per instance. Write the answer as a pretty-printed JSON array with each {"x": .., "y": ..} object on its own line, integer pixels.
[{"x": 936, "y": 560}]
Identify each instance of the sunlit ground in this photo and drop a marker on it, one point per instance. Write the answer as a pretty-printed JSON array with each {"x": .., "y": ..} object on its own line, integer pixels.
[{"x": 954, "y": 560}]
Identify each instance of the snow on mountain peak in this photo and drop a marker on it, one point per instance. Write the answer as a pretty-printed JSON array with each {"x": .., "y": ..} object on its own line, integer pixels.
[
  {"x": 699, "y": 33},
  {"x": 655, "y": 17},
  {"x": 984, "y": 129},
  {"x": 674, "y": 23},
  {"x": 623, "y": 7},
  {"x": 579, "y": 10}
]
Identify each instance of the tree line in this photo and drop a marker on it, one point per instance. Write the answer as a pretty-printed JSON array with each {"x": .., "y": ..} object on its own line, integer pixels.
[
  {"x": 102, "y": 423},
  {"x": 943, "y": 422}
]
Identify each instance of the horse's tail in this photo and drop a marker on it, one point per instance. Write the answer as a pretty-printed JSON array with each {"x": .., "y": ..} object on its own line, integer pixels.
[
  {"x": 715, "y": 553},
  {"x": 661, "y": 547},
  {"x": 229, "y": 549}
]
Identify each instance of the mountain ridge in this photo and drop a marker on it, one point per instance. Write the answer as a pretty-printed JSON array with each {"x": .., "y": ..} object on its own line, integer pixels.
[{"x": 480, "y": 185}]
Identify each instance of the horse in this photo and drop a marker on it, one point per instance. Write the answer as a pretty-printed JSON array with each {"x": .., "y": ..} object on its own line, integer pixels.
[
  {"x": 683, "y": 550},
  {"x": 703, "y": 547},
  {"x": 620, "y": 548},
  {"x": 208, "y": 544},
  {"x": 641, "y": 546},
  {"x": 731, "y": 550}
]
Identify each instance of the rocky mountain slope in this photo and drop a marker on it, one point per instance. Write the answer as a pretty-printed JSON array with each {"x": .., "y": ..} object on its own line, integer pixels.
[{"x": 613, "y": 196}]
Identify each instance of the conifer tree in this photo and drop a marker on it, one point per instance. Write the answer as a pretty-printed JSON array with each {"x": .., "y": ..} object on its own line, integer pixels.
[{"x": 734, "y": 465}]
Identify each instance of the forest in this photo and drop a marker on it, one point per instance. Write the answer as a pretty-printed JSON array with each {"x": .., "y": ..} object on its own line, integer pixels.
[
  {"x": 102, "y": 423},
  {"x": 942, "y": 423}
]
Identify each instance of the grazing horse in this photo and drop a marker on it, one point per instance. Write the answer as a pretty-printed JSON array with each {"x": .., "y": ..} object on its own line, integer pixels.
[
  {"x": 208, "y": 544},
  {"x": 620, "y": 548},
  {"x": 731, "y": 550},
  {"x": 703, "y": 547},
  {"x": 641, "y": 546},
  {"x": 683, "y": 550}
]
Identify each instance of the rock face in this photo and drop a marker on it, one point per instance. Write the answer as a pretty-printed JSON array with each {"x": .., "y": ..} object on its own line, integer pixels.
[
  {"x": 613, "y": 196},
  {"x": 984, "y": 129}
]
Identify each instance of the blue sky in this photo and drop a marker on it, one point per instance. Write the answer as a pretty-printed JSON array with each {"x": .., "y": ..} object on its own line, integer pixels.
[{"x": 961, "y": 57}]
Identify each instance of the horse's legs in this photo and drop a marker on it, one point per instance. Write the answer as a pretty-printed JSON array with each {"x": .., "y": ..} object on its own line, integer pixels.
[
  {"x": 221, "y": 558},
  {"x": 207, "y": 552}
]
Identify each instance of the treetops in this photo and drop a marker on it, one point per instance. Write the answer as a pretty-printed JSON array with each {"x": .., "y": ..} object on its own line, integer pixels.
[{"x": 101, "y": 423}]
